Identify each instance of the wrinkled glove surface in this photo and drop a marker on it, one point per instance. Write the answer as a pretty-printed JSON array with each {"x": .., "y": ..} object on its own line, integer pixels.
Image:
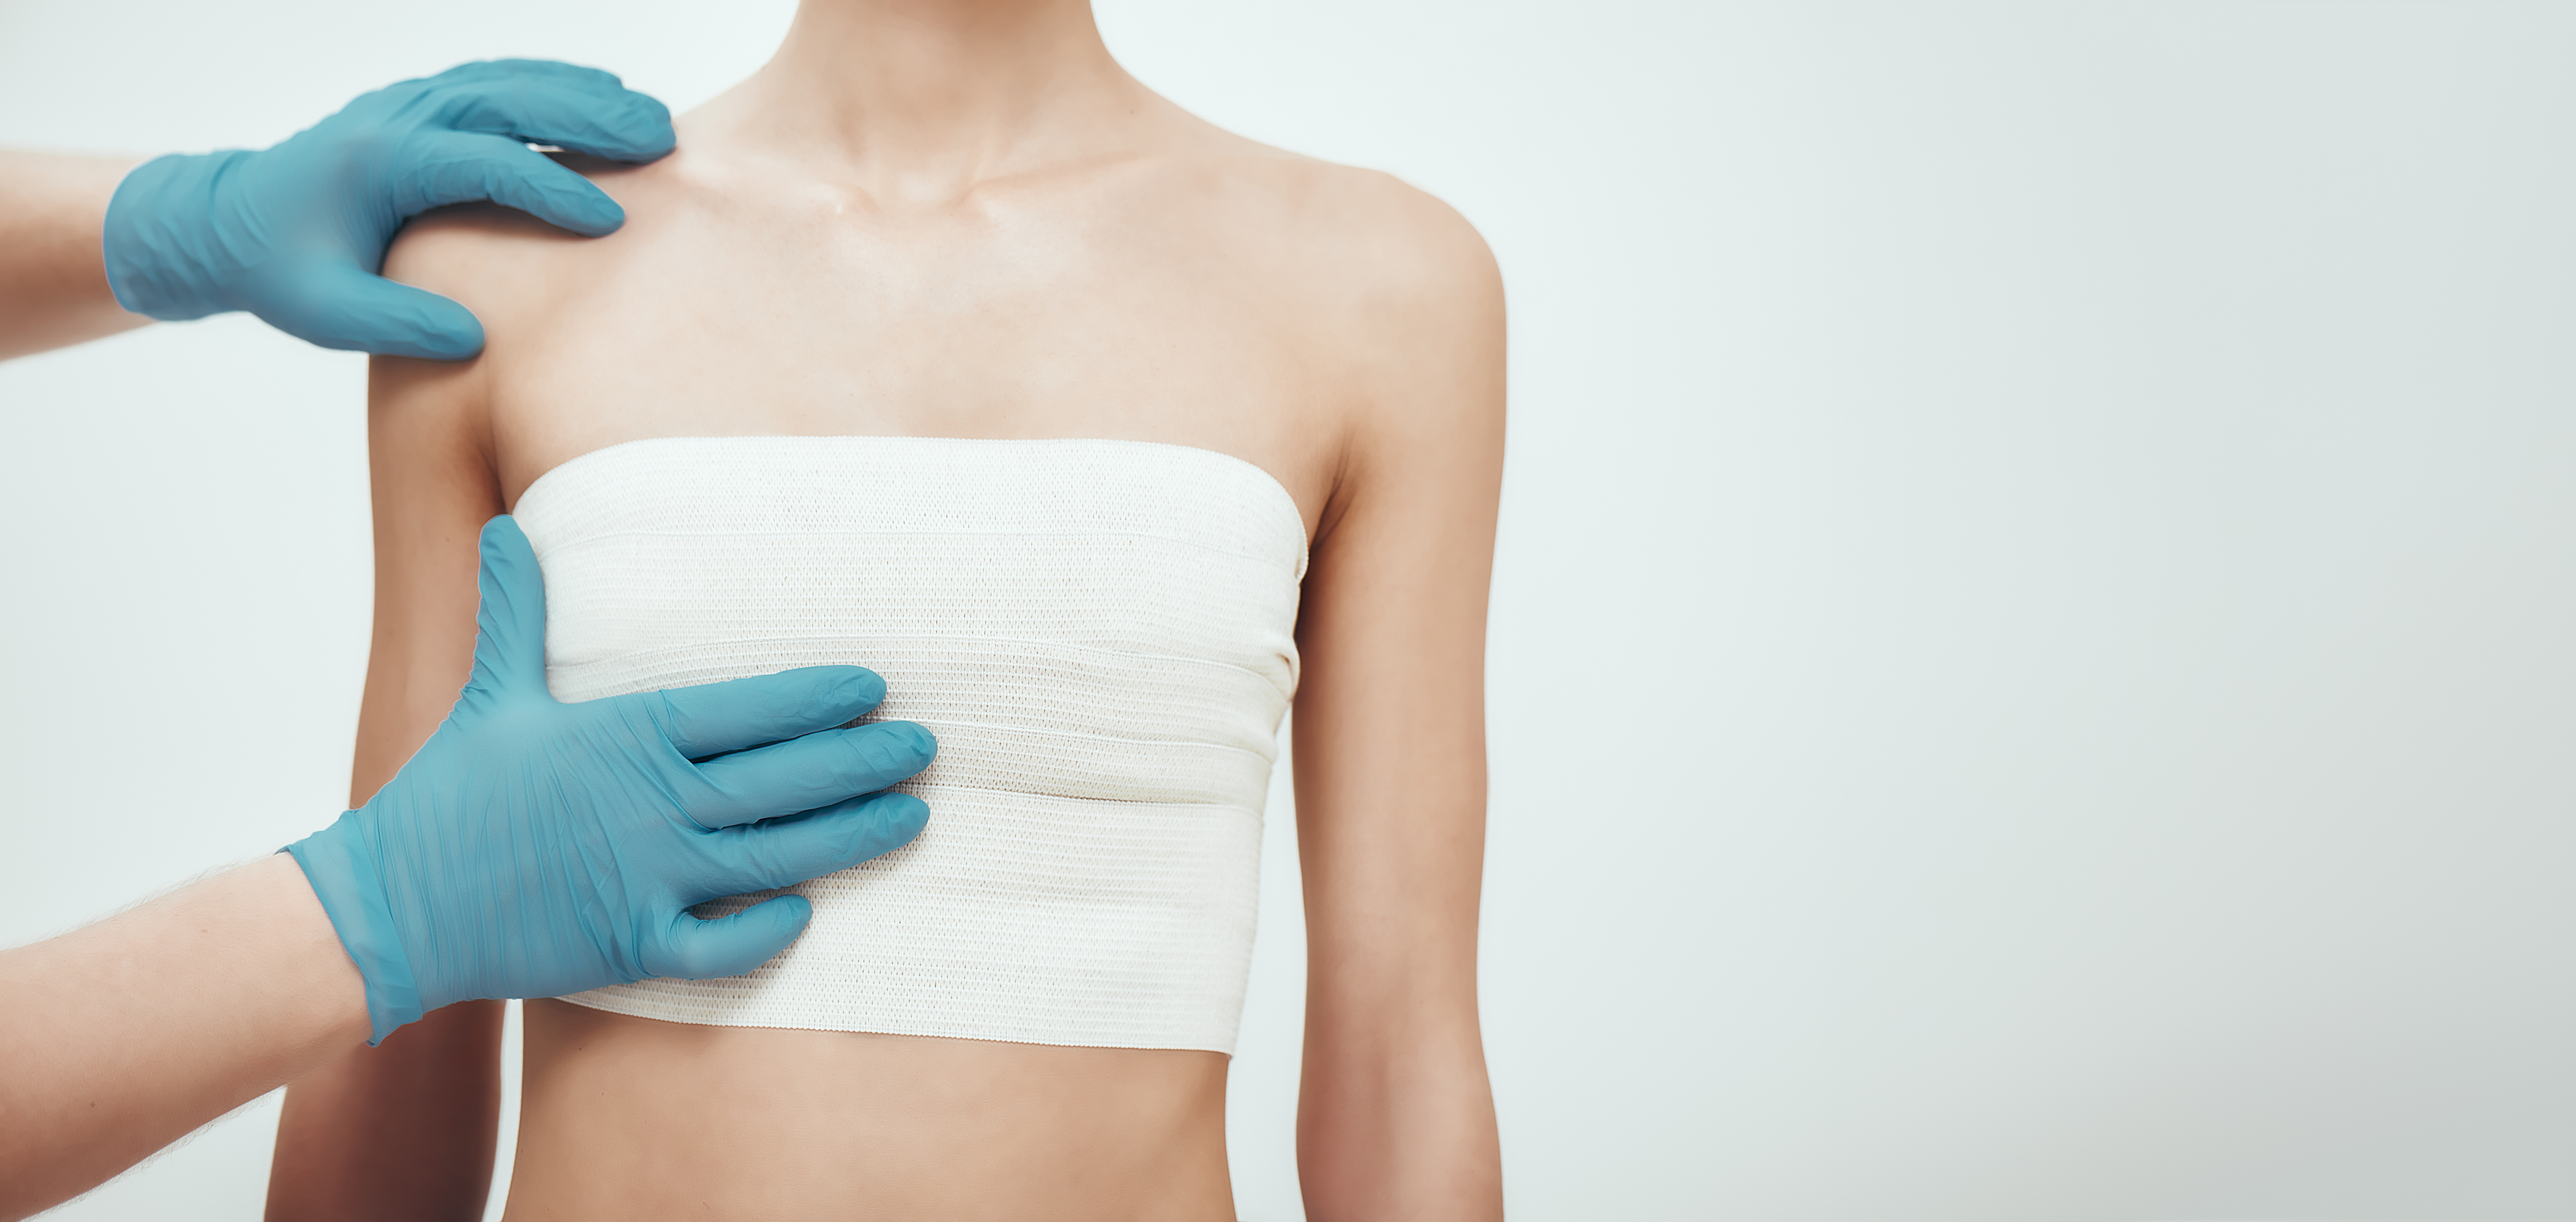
[
  {"x": 534, "y": 848},
  {"x": 296, "y": 233}
]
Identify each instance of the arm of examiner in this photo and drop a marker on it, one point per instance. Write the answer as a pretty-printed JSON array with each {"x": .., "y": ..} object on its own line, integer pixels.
[
  {"x": 531, "y": 848},
  {"x": 296, "y": 233},
  {"x": 53, "y": 280}
]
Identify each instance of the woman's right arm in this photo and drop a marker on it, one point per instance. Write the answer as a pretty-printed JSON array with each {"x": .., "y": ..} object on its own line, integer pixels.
[{"x": 405, "y": 1131}]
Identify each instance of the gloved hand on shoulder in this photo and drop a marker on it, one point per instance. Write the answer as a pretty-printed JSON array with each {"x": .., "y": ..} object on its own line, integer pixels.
[{"x": 296, "y": 233}]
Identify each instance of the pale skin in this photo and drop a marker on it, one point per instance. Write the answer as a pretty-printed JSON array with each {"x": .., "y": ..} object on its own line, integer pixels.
[
  {"x": 164, "y": 1017},
  {"x": 53, "y": 282},
  {"x": 160, "y": 1019},
  {"x": 961, "y": 218},
  {"x": 176, "y": 1012}
]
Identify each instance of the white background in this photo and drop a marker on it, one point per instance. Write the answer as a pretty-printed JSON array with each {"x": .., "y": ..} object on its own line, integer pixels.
[{"x": 2034, "y": 649}]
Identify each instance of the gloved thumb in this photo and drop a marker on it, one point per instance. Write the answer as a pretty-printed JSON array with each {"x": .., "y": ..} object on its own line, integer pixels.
[
  {"x": 732, "y": 945},
  {"x": 339, "y": 305},
  {"x": 510, "y": 624}
]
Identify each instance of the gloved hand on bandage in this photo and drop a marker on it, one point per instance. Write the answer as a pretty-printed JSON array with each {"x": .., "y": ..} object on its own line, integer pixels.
[
  {"x": 296, "y": 233},
  {"x": 534, "y": 848}
]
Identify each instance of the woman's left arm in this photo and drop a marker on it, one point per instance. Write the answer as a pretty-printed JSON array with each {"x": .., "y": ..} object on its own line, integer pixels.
[{"x": 1396, "y": 1119}]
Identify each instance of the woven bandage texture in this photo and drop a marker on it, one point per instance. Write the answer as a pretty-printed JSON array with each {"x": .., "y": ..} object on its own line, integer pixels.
[{"x": 1100, "y": 633}]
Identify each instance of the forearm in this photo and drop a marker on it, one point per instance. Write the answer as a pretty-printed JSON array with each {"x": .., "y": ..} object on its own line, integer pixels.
[
  {"x": 1395, "y": 1114},
  {"x": 1397, "y": 1123},
  {"x": 125, "y": 1036},
  {"x": 398, "y": 1132},
  {"x": 53, "y": 280}
]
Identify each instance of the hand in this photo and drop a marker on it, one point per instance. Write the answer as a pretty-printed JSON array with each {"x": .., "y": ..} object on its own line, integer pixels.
[
  {"x": 296, "y": 233},
  {"x": 534, "y": 848}
]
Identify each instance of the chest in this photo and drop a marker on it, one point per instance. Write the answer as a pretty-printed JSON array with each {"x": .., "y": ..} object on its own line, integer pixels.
[{"x": 1030, "y": 327}]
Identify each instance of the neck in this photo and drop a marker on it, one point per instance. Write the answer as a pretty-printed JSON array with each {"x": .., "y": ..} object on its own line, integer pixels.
[{"x": 920, "y": 100}]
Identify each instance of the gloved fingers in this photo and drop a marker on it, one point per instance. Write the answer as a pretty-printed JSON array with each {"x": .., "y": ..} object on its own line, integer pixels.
[
  {"x": 462, "y": 167},
  {"x": 718, "y": 717},
  {"x": 784, "y": 852},
  {"x": 808, "y": 773},
  {"x": 541, "y": 102},
  {"x": 340, "y": 305},
  {"x": 510, "y": 622},
  {"x": 731, "y": 945}
]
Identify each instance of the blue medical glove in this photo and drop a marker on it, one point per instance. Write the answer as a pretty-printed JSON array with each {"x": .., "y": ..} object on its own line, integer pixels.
[
  {"x": 534, "y": 848},
  {"x": 296, "y": 233}
]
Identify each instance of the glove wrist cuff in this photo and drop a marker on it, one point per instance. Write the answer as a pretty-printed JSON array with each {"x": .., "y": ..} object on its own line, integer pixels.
[
  {"x": 160, "y": 235},
  {"x": 343, "y": 875}
]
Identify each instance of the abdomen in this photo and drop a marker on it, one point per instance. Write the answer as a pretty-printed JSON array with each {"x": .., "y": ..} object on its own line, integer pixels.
[{"x": 628, "y": 1118}]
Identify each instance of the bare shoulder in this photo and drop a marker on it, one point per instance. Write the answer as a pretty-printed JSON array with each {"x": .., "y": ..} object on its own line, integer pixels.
[
  {"x": 1395, "y": 236},
  {"x": 1425, "y": 278},
  {"x": 1359, "y": 231},
  {"x": 1399, "y": 285},
  {"x": 1395, "y": 290}
]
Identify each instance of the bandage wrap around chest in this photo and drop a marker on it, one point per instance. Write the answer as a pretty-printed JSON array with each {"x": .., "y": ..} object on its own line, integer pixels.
[{"x": 1100, "y": 634}]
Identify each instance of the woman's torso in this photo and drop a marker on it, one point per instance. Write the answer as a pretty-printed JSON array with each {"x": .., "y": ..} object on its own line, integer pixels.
[{"x": 1195, "y": 301}]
